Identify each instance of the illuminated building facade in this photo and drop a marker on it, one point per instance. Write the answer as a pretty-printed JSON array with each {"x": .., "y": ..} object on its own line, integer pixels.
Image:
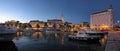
[
  {"x": 102, "y": 20},
  {"x": 56, "y": 22},
  {"x": 12, "y": 24},
  {"x": 34, "y": 24}
]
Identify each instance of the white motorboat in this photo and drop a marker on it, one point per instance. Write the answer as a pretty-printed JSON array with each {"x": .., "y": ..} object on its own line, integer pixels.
[
  {"x": 93, "y": 32},
  {"x": 7, "y": 34},
  {"x": 87, "y": 35}
]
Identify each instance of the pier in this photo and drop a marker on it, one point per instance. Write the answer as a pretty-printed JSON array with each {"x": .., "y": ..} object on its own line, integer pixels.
[{"x": 113, "y": 42}]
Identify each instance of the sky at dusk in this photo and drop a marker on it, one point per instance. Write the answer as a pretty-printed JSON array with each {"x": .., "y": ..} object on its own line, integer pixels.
[{"x": 75, "y": 11}]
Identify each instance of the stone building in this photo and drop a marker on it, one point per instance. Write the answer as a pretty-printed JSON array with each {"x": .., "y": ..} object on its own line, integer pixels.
[
  {"x": 102, "y": 20},
  {"x": 57, "y": 22},
  {"x": 34, "y": 24},
  {"x": 12, "y": 24}
]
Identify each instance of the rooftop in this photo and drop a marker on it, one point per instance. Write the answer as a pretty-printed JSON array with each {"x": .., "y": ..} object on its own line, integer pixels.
[
  {"x": 36, "y": 21},
  {"x": 55, "y": 20},
  {"x": 99, "y": 12}
]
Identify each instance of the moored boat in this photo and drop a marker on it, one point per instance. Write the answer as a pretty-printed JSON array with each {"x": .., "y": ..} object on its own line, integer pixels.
[
  {"x": 7, "y": 34},
  {"x": 87, "y": 35}
]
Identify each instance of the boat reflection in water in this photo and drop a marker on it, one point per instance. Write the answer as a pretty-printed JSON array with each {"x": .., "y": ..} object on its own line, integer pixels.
[
  {"x": 8, "y": 46},
  {"x": 39, "y": 41}
]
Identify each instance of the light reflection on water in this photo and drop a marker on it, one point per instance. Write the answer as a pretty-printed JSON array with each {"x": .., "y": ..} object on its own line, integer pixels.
[{"x": 39, "y": 41}]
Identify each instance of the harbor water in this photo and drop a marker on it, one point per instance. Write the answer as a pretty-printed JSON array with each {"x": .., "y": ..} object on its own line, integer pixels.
[{"x": 39, "y": 41}]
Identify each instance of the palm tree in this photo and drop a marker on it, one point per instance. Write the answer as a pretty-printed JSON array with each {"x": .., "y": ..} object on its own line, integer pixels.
[
  {"x": 29, "y": 25},
  {"x": 62, "y": 26},
  {"x": 54, "y": 26},
  {"x": 46, "y": 24},
  {"x": 20, "y": 26},
  {"x": 37, "y": 26},
  {"x": 24, "y": 26}
]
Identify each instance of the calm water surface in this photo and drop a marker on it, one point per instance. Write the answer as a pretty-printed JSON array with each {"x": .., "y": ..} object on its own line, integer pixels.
[{"x": 38, "y": 41}]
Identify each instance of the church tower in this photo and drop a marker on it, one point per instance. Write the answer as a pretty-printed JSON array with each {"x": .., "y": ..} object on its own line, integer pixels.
[
  {"x": 102, "y": 20},
  {"x": 62, "y": 18},
  {"x": 110, "y": 10}
]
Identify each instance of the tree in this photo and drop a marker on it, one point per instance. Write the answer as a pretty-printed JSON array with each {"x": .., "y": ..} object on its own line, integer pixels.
[
  {"x": 54, "y": 26},
  {"x": 20, "y": 25},
  {"x": 37, "y": 26},
  {"x": 29, "y": 25},
  {"x": 62, "y": 26},
  {"x": 46, "y": 24},
  {"x": 24, "y": 26}
]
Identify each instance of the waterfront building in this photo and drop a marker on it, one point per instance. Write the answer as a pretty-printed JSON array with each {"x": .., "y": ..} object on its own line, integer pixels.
[
  {"x": 12, "y": 24},
  {"x": 41, "y": 24},
  {"x": 54, "y": 23},
  {"x": 35, "y": 23},
  {"x": 57, "y": 22},
  {"x": 49, "y": 24},
  {"x": 84, "y": 25},
  {"x": 67, "y": 26},
  {"x": 75, "y": 27},
  {"x": 102, "y": 20},
  {"x": 62, "y": 18}
]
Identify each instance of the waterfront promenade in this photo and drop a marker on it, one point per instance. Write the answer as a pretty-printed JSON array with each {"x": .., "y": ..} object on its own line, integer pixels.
[{"x": 113, "y": 42}]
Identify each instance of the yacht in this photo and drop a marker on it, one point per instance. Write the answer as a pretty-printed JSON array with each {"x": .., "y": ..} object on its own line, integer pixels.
[
  {"x": 93, "y": 32},
  {"x": 87, "y": 34},
  {"x": 7, "y": 34}
]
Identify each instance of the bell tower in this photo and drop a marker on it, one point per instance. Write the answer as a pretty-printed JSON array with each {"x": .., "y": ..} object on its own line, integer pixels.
[
  {"x": 62, "y": 18},
  {"x": 110, "y": 10}
]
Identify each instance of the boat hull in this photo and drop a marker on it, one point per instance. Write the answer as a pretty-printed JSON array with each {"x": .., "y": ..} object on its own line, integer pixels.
[
  {"x": 101, "y": 34},
  {"x": 85, "y": 38}
]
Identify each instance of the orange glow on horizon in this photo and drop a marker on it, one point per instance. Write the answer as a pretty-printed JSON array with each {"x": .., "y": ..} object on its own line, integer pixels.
[{"x": 3, "y": 19}]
